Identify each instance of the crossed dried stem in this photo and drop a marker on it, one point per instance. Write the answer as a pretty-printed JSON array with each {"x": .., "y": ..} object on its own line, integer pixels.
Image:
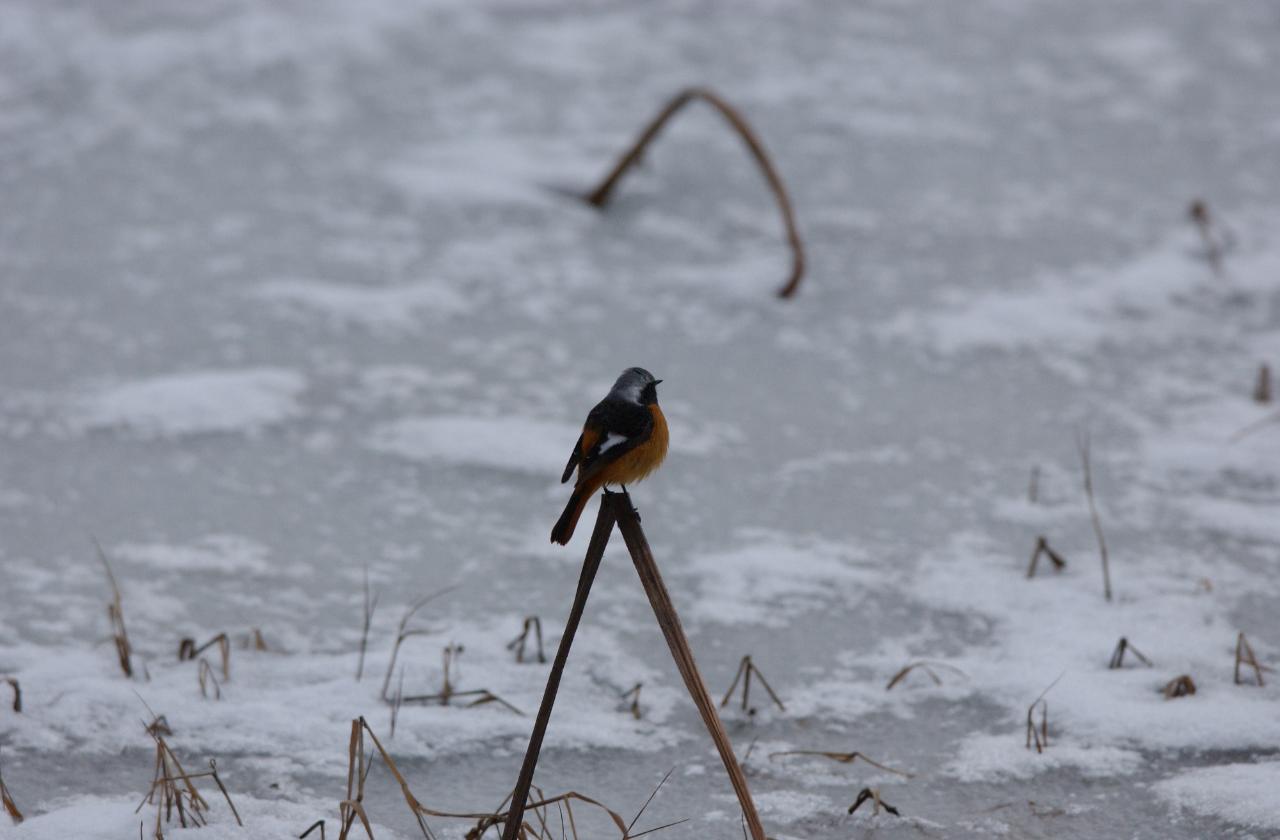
[
  {"x": 616, "y": 508},
  {"x": 1042, "y": 547},
  {"x": 599, "y": 196},
  {"x": 173, "y": 789},
  {"x": 447, "y": 691},
  {"x": 877, "y": 803},
  {"x": 1117, "y": 656},
  {"x": 746, "y": 670},
  {"x": 518, "y": 643},
  {"x": 1245, "y": 656}
]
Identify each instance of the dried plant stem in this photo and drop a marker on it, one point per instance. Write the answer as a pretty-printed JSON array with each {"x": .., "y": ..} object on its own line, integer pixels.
[
  {"x": 669, "y": 621},
  {"x": 115, "y": 613},
  {"x": 518, "y": 643},
  {"x": 317, "y": 824},
  {"x": 1262, "y": 390},
  {"x": 403, "y": 632},
  {"x": 370, "y": 604},
  {"x": 600, "y": 195},
  {"x": 590, "y": 566},
  {"x": 187, "y": 650},
  {"x": 1245, "y": 656},
  {"x": 17, "y": 692},
  {"x": 746, "y": 670},
  {"x": 873, "y": 794},
  {"x": 1040, "y": 736},
  {"x": 1117, "y": 656},
  {"x": 10, "y": 807},
  {"x": 1083, "y": 445},
  {"x": 843, "y": 758},
  {"x": 926, "y": 666},
  {"x": 1042, "y": 547}
]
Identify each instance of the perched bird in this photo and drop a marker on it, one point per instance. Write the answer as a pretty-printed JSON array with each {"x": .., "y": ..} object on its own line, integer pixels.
[{"x": 623, "y": 440}]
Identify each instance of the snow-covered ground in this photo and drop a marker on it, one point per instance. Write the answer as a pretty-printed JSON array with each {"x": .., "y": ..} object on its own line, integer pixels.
[{"x": 291, "y": 291}]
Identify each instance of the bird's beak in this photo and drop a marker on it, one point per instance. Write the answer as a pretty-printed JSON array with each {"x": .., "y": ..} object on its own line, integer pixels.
[{"x": 657, "y": 382}]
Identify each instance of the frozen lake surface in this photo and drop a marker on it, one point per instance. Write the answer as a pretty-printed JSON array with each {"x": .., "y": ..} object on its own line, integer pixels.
[{"x": 290, "y": 292}]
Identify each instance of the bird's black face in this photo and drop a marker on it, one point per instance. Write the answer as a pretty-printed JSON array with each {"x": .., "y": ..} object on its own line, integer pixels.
[{"x": 649, "y": 393}]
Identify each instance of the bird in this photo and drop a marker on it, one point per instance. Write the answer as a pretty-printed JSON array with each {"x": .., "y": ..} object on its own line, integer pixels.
[{"x": 624, "y": 439}]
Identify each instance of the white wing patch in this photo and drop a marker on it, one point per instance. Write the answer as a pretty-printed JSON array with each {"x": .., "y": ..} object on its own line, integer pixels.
[{"x": 611, "y": 440}]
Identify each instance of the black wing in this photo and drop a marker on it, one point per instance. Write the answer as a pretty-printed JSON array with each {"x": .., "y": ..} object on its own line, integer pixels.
[{"x": 614, "y": 428}]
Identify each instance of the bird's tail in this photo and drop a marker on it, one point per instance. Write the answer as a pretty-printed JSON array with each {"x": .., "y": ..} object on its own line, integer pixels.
[{"x": 563, "y": 532}]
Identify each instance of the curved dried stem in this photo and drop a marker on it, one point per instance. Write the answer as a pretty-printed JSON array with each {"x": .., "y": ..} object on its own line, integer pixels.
[
  {"x": 925, "y": 665},
  {"x": 600, "y": 195},
  {"x": 843, "y": 758}
]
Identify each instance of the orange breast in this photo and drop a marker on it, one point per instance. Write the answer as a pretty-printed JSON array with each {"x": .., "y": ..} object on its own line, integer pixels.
[{"x": 642, "y": 460}]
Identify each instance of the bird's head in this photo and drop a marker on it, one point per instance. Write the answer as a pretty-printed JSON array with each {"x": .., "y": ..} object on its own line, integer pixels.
[{"x": 638, "y": 385}]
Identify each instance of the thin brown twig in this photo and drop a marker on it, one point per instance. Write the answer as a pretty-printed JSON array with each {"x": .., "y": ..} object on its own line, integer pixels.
[
  {"x": 115, "y": 614},
  {"x": 370, "y": 605},
  {"x": 6, "y": 800},
  {"x": 843, "y": 758},
  {"x": 599, "y": 196},
  {"x": 1083, "y": 444},
  {"x": 403, "y": 632},
  {"x": 1040, "y": 737},
  {"x": 925, "y": 665}
]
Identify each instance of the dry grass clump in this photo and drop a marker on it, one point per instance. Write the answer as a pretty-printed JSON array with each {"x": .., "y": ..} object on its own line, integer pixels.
[
  {"x": 173, "y": 790},
  {"x": 1182, "y": 686}
]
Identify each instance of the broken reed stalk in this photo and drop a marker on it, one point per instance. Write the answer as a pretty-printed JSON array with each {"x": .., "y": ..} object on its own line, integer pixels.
[
  {"x": 403, "y": 632},
  {"x": 1117, "y": 656},
  {"x": 634, "y": 694},
  {"x": 176, "y": 790},
  {"x": 370, "y": 604},
  {"x": 1040, "y": 736},
  {"x": 1213, "y": 244},
  {"x": 1042, "y": 547},
  {"x": 925, "y": 665},
  {"x": 17, "y": 693},
  {"x": 663, "y": 609},
  {"x": 746, "y": 670},
  {"x": 1182, "y": 686},
  {"x": 877, "y": 803},
  {"x": 205, "y": 677},
  {"x": 1083, "y": 444},
  {"x": 115, "y": 614},
  {"x": 599, "y": 196},
  {"x": 843, "y": 758},
  {"x": 6, "y": 800},
  {"x": 187, "y": 650},
  {"x": 1245, "y": 655},
  {"x": 616, "y": 508},
  {"x": 518, "y": 643},
  {"x": 1033, "y": 487},
  {"x": 317, "y": 824},
  {"x": 1262, "y": 390}
]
